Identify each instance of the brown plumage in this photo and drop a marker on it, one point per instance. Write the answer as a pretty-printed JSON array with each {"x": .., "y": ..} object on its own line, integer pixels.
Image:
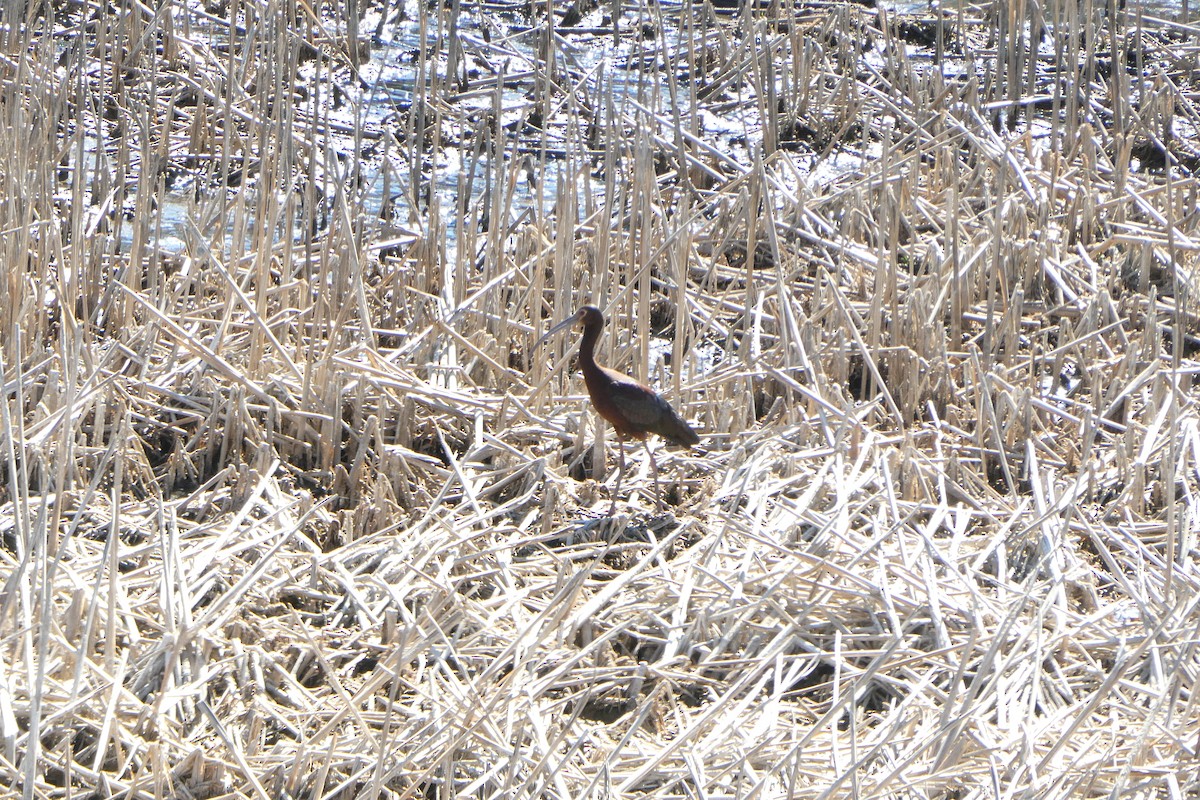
[{"x": 632, "y": 409}]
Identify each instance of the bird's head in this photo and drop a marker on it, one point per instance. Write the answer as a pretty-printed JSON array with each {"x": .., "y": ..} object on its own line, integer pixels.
[{"x": 588, "y": 316}]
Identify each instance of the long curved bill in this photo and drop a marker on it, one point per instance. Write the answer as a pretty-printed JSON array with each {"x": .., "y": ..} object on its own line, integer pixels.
[{"x": 566, "y": 323}]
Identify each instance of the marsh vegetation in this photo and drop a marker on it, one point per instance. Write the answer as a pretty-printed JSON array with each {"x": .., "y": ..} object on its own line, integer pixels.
[{"x": 293, "y": 507}]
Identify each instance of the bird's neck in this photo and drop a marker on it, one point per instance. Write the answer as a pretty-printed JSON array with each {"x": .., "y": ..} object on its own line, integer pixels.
[{"x": 587, "y": 347}]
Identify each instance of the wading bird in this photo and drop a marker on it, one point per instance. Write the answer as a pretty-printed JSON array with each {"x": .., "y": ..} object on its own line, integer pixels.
[{"x": 632, "y": 409}]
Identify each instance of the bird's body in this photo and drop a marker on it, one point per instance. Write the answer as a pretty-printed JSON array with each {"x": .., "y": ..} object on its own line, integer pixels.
[{"x": 632, "y": 409}]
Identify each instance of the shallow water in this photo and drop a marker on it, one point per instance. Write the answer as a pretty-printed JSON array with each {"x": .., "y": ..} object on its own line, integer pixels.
[{"x": 623, "y": 73}]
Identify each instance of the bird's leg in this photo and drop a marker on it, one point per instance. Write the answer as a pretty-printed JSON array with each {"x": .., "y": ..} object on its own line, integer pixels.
[
  {"x": 654, "y": 472},
  {"x": 620, "y": 473}
]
